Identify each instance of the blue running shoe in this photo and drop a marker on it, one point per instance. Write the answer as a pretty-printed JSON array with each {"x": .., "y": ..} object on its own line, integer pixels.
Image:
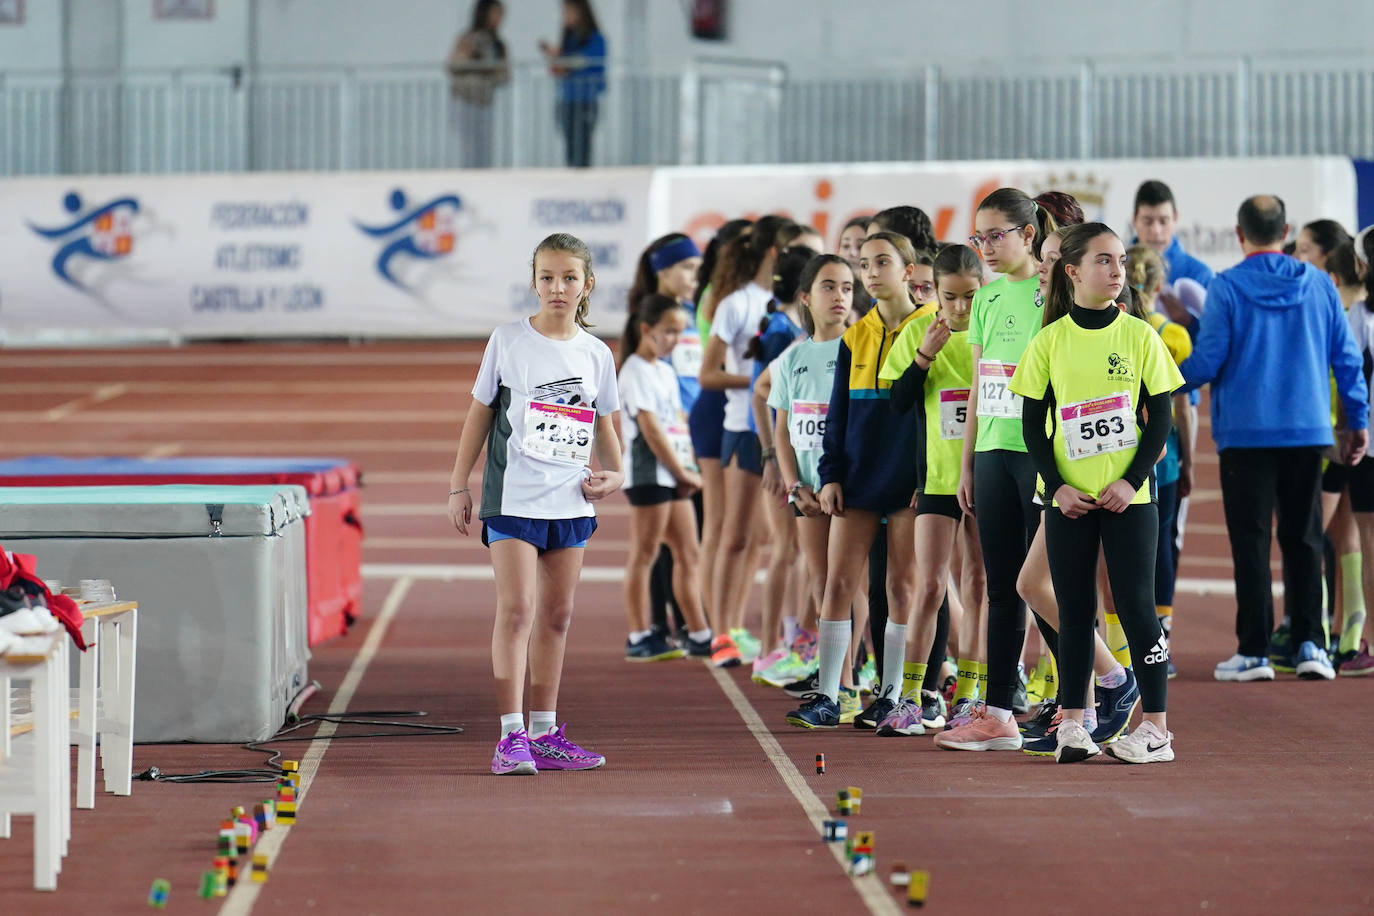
[
  {"x": 1314, "y": 664},
  {"x": 1243, "y": 668},
  {"x": 1046, "y": 744},
  {"x": 1039, "y": 724},
  {"x": 1114, "y": 708},
  {"x": 876, "y": 712},
  {"x": 817, "y": 712}
]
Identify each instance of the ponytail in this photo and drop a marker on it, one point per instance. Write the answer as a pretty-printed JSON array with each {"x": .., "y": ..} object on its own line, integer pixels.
[
  {"x": 741, "y": 259},
  {"x": 649, "y": 311},
  {"x": 1020, "y": 209},
  {"x": 1073, "y": 246}
]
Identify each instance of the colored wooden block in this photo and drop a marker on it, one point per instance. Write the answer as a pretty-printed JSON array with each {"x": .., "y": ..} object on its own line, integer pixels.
[
  {"x": 820, "y": 763},
  {"x": 834, "y": 831},
  {"x": 260, "y": 868},
  {"x": 917, "y": 888},
  {"x": 207, "y": 884},
  {"x": 863, "y": 842},
  {"x": 856, "y": 797},
  {"x": 290, "y": 766},
  {"x": 286, "y": 812},
  {"x": 899, "y": 876},
  {"x": 158, "y": 893}
]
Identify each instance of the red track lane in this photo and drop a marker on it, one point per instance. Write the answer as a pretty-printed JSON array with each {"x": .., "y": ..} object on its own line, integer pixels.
[{"x": 1267, "y": 807}]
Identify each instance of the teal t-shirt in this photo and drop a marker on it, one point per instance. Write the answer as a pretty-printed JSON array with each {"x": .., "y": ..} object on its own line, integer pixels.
[{"x": 803, "y": 377}]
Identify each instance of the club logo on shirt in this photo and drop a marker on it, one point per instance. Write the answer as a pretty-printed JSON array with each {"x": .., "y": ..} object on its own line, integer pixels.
[
  {"x": 564, "y": 391},
  {"x": 830, "y": 365},
  {"x": 1118, "y": 366},
  {"x": 992, "y": 299},
  {"x": 1010, "y": 322},
  {"x": 800, "y": 370}
]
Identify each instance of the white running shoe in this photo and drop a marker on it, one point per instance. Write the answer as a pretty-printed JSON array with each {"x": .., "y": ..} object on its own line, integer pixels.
[
  {"x": 1244, "y": 668},
  {"x": 1075, "y": 744},
  {"x": 1144, "y": 745}
]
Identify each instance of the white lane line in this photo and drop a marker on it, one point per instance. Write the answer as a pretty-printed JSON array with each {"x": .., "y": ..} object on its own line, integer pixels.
[
  {"x": 241, "y": 899},
  {"x": 870, "y": 888},
  {"x": 477, "y": 572},
  {"x": 99, "y": 396}
]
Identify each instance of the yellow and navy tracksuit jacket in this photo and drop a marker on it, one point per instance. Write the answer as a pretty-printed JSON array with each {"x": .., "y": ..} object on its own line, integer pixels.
[{"x": 870, "y": 450}]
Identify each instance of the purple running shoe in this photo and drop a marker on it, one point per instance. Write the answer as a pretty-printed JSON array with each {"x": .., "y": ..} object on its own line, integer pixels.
[
  {"x": 555, "y": 752},
  {"x": 513, "y": 756}
]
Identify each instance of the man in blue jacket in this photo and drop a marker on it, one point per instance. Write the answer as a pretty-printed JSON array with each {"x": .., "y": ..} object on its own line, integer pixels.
[{"x": 1272, "y": 335}]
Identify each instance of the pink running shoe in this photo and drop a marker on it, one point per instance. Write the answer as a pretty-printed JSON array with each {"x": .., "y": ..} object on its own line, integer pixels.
[
  {"x": 764, "y": 662},
  {"x": 984, "y": 732},
  {"x": 555, "y": 752},
  {"x": 1362, "y": 665},
  {"x": 513, "y": 756}
]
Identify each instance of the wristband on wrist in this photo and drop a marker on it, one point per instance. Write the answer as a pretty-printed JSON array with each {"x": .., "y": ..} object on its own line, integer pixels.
[
  {"x": 795, "y": 488},
  {"x": 456, "y": 492},
  {"x": 768, "y": 454},
  {"x": 929, "y": 359}
]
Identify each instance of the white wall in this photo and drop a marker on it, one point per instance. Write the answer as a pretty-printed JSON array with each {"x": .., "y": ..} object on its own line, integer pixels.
[{"x": 812, "y": 36}]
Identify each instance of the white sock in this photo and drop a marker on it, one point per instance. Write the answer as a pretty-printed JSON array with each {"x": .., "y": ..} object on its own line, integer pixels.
[
  {"x": 511, "y": 722},
  {"x": 789, "y": 630},
  {"x": 638, "y": 636},
  {"x": 894, "y": 656},
  {"x": 541, "y": 723},
  {"x": 997, "y": 712},
  {"x": 834, "y": 643},
  {"x": 699, "y": 635}
]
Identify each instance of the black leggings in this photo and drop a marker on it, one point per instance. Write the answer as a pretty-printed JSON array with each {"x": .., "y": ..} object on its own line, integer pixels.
[
  {"x": 877, "y": 614},
  {"x": 1003, "y": 487},
  {"x": 661, "y": 599},
  {"x": 1128, "y": 541}
]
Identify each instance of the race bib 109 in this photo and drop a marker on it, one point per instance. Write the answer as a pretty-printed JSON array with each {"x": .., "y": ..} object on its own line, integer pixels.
[{"x": 808, "y": 425}]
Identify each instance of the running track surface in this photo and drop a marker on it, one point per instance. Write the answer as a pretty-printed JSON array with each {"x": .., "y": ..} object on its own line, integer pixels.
[{"x": 708, "y": 802}]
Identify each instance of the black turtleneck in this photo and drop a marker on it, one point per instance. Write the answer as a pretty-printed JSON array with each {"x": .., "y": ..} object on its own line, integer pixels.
[{"x": 1152, "y": 413}]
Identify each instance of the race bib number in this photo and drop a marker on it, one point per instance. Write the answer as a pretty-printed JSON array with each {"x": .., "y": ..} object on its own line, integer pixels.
[
  {"x": 995, "y": 399},
  {"x": 680, "y": 438},
  {"x": 559, "y": 432},
  {"x": 953, "y": 412},
  {"x": 1098, "y": 427},
  {"x": 686, "y": 359},
  {"x": 808, "y": 425}
]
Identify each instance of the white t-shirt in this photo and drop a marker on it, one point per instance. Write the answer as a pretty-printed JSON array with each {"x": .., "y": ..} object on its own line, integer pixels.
[
  {"x": 736, "y": 322},
  {"x": 547, "y": 395},
  {"x": 650, "y": 386}
]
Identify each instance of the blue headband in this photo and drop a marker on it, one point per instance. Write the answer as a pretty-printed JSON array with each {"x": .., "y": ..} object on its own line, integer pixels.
[{"x": 672, "y": 253}]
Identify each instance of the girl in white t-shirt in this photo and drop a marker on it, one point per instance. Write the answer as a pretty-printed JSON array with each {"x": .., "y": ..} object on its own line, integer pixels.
[
  {"x": 661, "y": 473},
  {"x": 544, "y": 401}
]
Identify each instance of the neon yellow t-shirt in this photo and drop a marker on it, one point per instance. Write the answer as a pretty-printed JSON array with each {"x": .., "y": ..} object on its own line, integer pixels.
[
  {"x": 1096, "y": 375},
  {"x": 946, "y": 400},
  {"x": 1004, "y": 320}
]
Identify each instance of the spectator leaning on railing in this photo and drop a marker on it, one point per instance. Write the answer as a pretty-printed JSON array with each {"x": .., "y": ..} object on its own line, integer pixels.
[
  {"x": 476, "y": 66},
  {"x": 579, "y": 63},
  {"x": 1273, "y": 332}
]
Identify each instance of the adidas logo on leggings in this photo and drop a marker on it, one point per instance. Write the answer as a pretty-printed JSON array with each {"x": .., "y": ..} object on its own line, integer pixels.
[{"x": 1160, "y": 653}]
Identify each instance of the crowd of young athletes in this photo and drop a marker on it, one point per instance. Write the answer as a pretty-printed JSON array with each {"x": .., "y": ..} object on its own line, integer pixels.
[{"x": 894, "y": 421}]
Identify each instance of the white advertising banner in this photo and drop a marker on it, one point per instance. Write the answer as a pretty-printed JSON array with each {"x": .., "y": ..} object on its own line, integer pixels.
[
  {"x": 447, "y": 252},
  {"x": 1208, "y": 192},
  {"x": 356, "y": 254}
]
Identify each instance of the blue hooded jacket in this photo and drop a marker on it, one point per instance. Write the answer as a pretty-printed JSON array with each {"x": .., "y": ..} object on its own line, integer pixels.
[{"x": 1273, "y": 333}]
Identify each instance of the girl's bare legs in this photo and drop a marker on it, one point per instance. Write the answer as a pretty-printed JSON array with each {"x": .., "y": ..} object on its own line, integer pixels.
[
  {"x": 647, "y": 524},
  {"x": 555, "y": 583},
  {"x": 733, "y": 574},
  {"x": 680, "y": 533},
  {"x": 782, "y": 554},
  {"x": 813, "y": 536},
  {"x": 973, "y": 587},
  {"x": 712, "y": 515},
  {"x": 515, "y": 563},
  {"x": 934, "y": 539}
]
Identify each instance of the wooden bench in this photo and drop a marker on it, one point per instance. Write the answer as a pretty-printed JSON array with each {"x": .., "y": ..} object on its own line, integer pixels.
[
  {"x": 105, "y": 699},
  {"x": 35, "y": 775}
]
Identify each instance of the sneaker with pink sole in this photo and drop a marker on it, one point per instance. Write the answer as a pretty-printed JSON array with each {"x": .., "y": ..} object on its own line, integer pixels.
[
  {"x": 983, "y": 732},
  {"x": 763, "y": 663},
  {"x": 555, "y": 752},
  {"x": 513, "y": 756},
  {"x": 1362, "y": 665}
]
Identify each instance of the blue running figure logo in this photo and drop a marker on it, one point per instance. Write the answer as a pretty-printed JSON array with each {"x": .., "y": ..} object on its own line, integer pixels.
[
  {"x": 103, "y": 233},
  {"x": 426, "y": 232}
]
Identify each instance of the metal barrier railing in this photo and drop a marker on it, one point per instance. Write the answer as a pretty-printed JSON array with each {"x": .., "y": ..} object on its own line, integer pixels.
[{"x": 716, "y": 112}]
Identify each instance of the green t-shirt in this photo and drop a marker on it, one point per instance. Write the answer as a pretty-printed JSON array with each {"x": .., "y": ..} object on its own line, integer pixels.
[
  {"x": 803, "y": 377},
  {"x": 1096, "y": 375},
  {"x": 1004, "y": 319},
  {"x": 946, "y": 400}
]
